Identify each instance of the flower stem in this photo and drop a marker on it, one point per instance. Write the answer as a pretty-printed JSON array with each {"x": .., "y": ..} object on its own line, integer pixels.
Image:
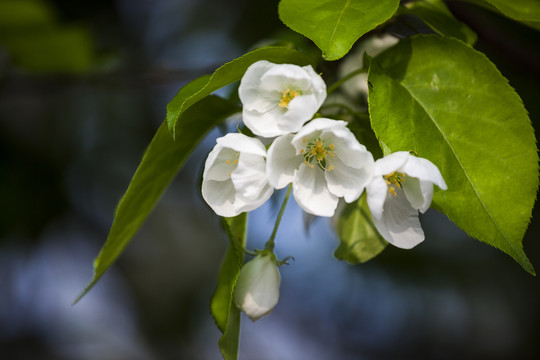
[
  {"x": 338, "y": 83},
  {"x": 270, "y": 244}
]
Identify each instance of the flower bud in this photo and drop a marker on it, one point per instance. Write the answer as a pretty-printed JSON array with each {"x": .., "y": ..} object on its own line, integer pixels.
[{"x": 257, "y": 288}]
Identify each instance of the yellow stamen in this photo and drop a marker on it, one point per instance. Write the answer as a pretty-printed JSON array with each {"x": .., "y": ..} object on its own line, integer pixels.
[
  {"x": 301, "y": 151},
  {"x": 228, "y": 162},
  {"x": 330, "y": 168},
  {"x": 235, "y": 161},
  {"x": 287, "y": 96},
  {"x": 392, "y": 191}
]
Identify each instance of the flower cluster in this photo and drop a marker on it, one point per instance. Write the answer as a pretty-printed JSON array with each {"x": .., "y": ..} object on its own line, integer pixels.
[{"x": 321, "y": 158}]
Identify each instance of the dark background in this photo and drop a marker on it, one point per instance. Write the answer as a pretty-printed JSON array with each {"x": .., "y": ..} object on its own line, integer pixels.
[{"x": 72, "y": 131}]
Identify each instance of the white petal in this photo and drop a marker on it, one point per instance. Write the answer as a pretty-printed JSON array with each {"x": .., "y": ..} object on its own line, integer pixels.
[
  {"x": 264, "y": 195},
  {"x": 424, "y": 170},
  {"x": 318, "y": 86},
  {"x": 249, "y": 89},
  {"x": 263, "y": 124},
  {"x": 257, "y": 288},
  {"x": 219, "y": 163},
  {"x": 346, "y": 182},
  {"x": 391, "y": 163},
  {"x": 300, "y": 109},
  {"x": 311, "y": 192},
  {"x": 242, "y": 143},
  {"x": 377, "y": 190},
  {"x": 220, "y": 195},
  {"x": 314, "y": 126},
  {"x": 282, "y": 161},
  {"x": 347, "y": 147},
  {"x": 281, "y": 77},
  {"x": 419, "y": 193},
  {"x": 399, "y": 223},
  {"x": 249, "y": 177}
]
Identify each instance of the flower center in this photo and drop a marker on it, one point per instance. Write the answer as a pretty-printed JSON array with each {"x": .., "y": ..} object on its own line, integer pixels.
[
  {"x": 287, "y": 96},
  {"x": 232, "y": 162},
  {"x": 315, "y": 152},
  {"x": 395, "y": 178}
]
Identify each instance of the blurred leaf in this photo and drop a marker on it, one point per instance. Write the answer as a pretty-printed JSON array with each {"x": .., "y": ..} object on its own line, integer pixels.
[
  {"x": 24, "y": 14},
  {"x": 227, "y": 74},
  {"x": 36, "y": 42},
  {"x": 226, "y": 314},
  {"x": 160, "y": 163},
  {"x": 335, "y": 25},
  {"x": 524, "y": 11},
  {"x": 450, "y": 104},
  {"x": 359, "y": 240},
  {"x": 437, "y": 16}
]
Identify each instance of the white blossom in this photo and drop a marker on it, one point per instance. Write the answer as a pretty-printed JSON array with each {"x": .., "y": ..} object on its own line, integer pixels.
[
  {"x": 279, "y": 98},
  {"x": 257, "y": 288},
  {"x": 324, "y": 162},
  {"x": 234, "y": 177},
  {"x": 402, "y": 185}
]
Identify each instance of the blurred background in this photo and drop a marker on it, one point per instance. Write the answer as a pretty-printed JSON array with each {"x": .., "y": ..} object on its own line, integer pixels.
[{"x": 83, "y": 87}]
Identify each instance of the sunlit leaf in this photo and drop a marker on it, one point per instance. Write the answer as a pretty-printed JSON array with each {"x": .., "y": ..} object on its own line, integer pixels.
[
  {"x": 450, "y": 104},
  {"x": 335, "y": 25},
  {"x": 160, "y": 163},
  {"x": 227, "y": 74},
  {"x": 437, "y": 16},
  {"x": 359, "y": 240},
  {"x": 226, "y": 314}
]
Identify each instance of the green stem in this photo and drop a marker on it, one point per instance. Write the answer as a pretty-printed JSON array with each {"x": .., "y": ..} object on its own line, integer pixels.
[
  {"x": 270, "y": 244},
  {"x": 338, "y": 83}
]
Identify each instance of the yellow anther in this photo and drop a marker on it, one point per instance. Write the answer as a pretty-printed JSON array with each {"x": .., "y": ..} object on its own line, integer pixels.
[
  {"x": 287, "y": 96},
  {"x": 305, "y": 162},
  {"x": 395, "y": 178},
  {"x": 301, "y": 151},
  {"x": 330, "y": 168},
  {"x": 235, "y": 161},
  {"x": 392, "y": 190},
  {"x": 331, "y": 146},
  {"x": 304, "y": 140},
  {"x": 311, "y": 166},
  {"x": 228, "y": 162}
]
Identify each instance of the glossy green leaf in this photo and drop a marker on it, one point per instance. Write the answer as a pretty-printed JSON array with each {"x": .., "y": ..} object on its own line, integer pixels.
[
  {"x": 335, "y": 25},
  {"x": 226, "y": 314},
  {"x": 359, "y": 240},
  {"x": 437, "y": 16},
  {"x": 227, "y": 74},
  {"x": 450, "y": 104},
  {"x": 524, "y": 11},
  {"x": 160, "y": 163}
]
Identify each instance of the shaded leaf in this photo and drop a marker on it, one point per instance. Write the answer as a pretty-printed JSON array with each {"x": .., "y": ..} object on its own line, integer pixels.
[
  {"x": 160, "y": 163},
  {"x": 227, "y": 74},
  {"x": 359, "y": 240},
  {"x": 437, "y": 16},
  {"x": 225, "y": 313},
  {"x": 335, "y": 25},
  {"x": 449, "y": 103},
  {"x": 524, "y": 11}
]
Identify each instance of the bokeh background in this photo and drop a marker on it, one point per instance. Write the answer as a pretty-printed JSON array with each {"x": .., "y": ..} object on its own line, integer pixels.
[{"x": 83, "y": 87}]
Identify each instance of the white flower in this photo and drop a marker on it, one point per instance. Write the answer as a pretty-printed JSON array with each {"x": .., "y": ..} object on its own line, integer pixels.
[
  {"x": 234, "y": 177},
  {"x": 257, "y": 288},
  {"x": 371, "y": 46},
  {"x": 402, "y": 186},
  {"x": 279, "y": 98},
  {"x": 324, "y": 161}
]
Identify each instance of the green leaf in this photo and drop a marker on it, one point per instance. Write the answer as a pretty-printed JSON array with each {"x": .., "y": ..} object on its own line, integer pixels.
[
  {"x": 335, "y": 25},
  {"x": 37, "y": 42},
  {"x": 450, "y": 104},
  {"x": 226, "y": 314},
  {"x": 524, "y": 11},
  {"x": 160, "y": 163},
  {"x": 227, "y": 74},
  {"x": 437, "y": 16},
  {"x": 359, "y": 240}
]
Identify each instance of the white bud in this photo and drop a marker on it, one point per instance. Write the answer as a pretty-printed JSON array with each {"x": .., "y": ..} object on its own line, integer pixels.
[{"x": 257, "y": 289}]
